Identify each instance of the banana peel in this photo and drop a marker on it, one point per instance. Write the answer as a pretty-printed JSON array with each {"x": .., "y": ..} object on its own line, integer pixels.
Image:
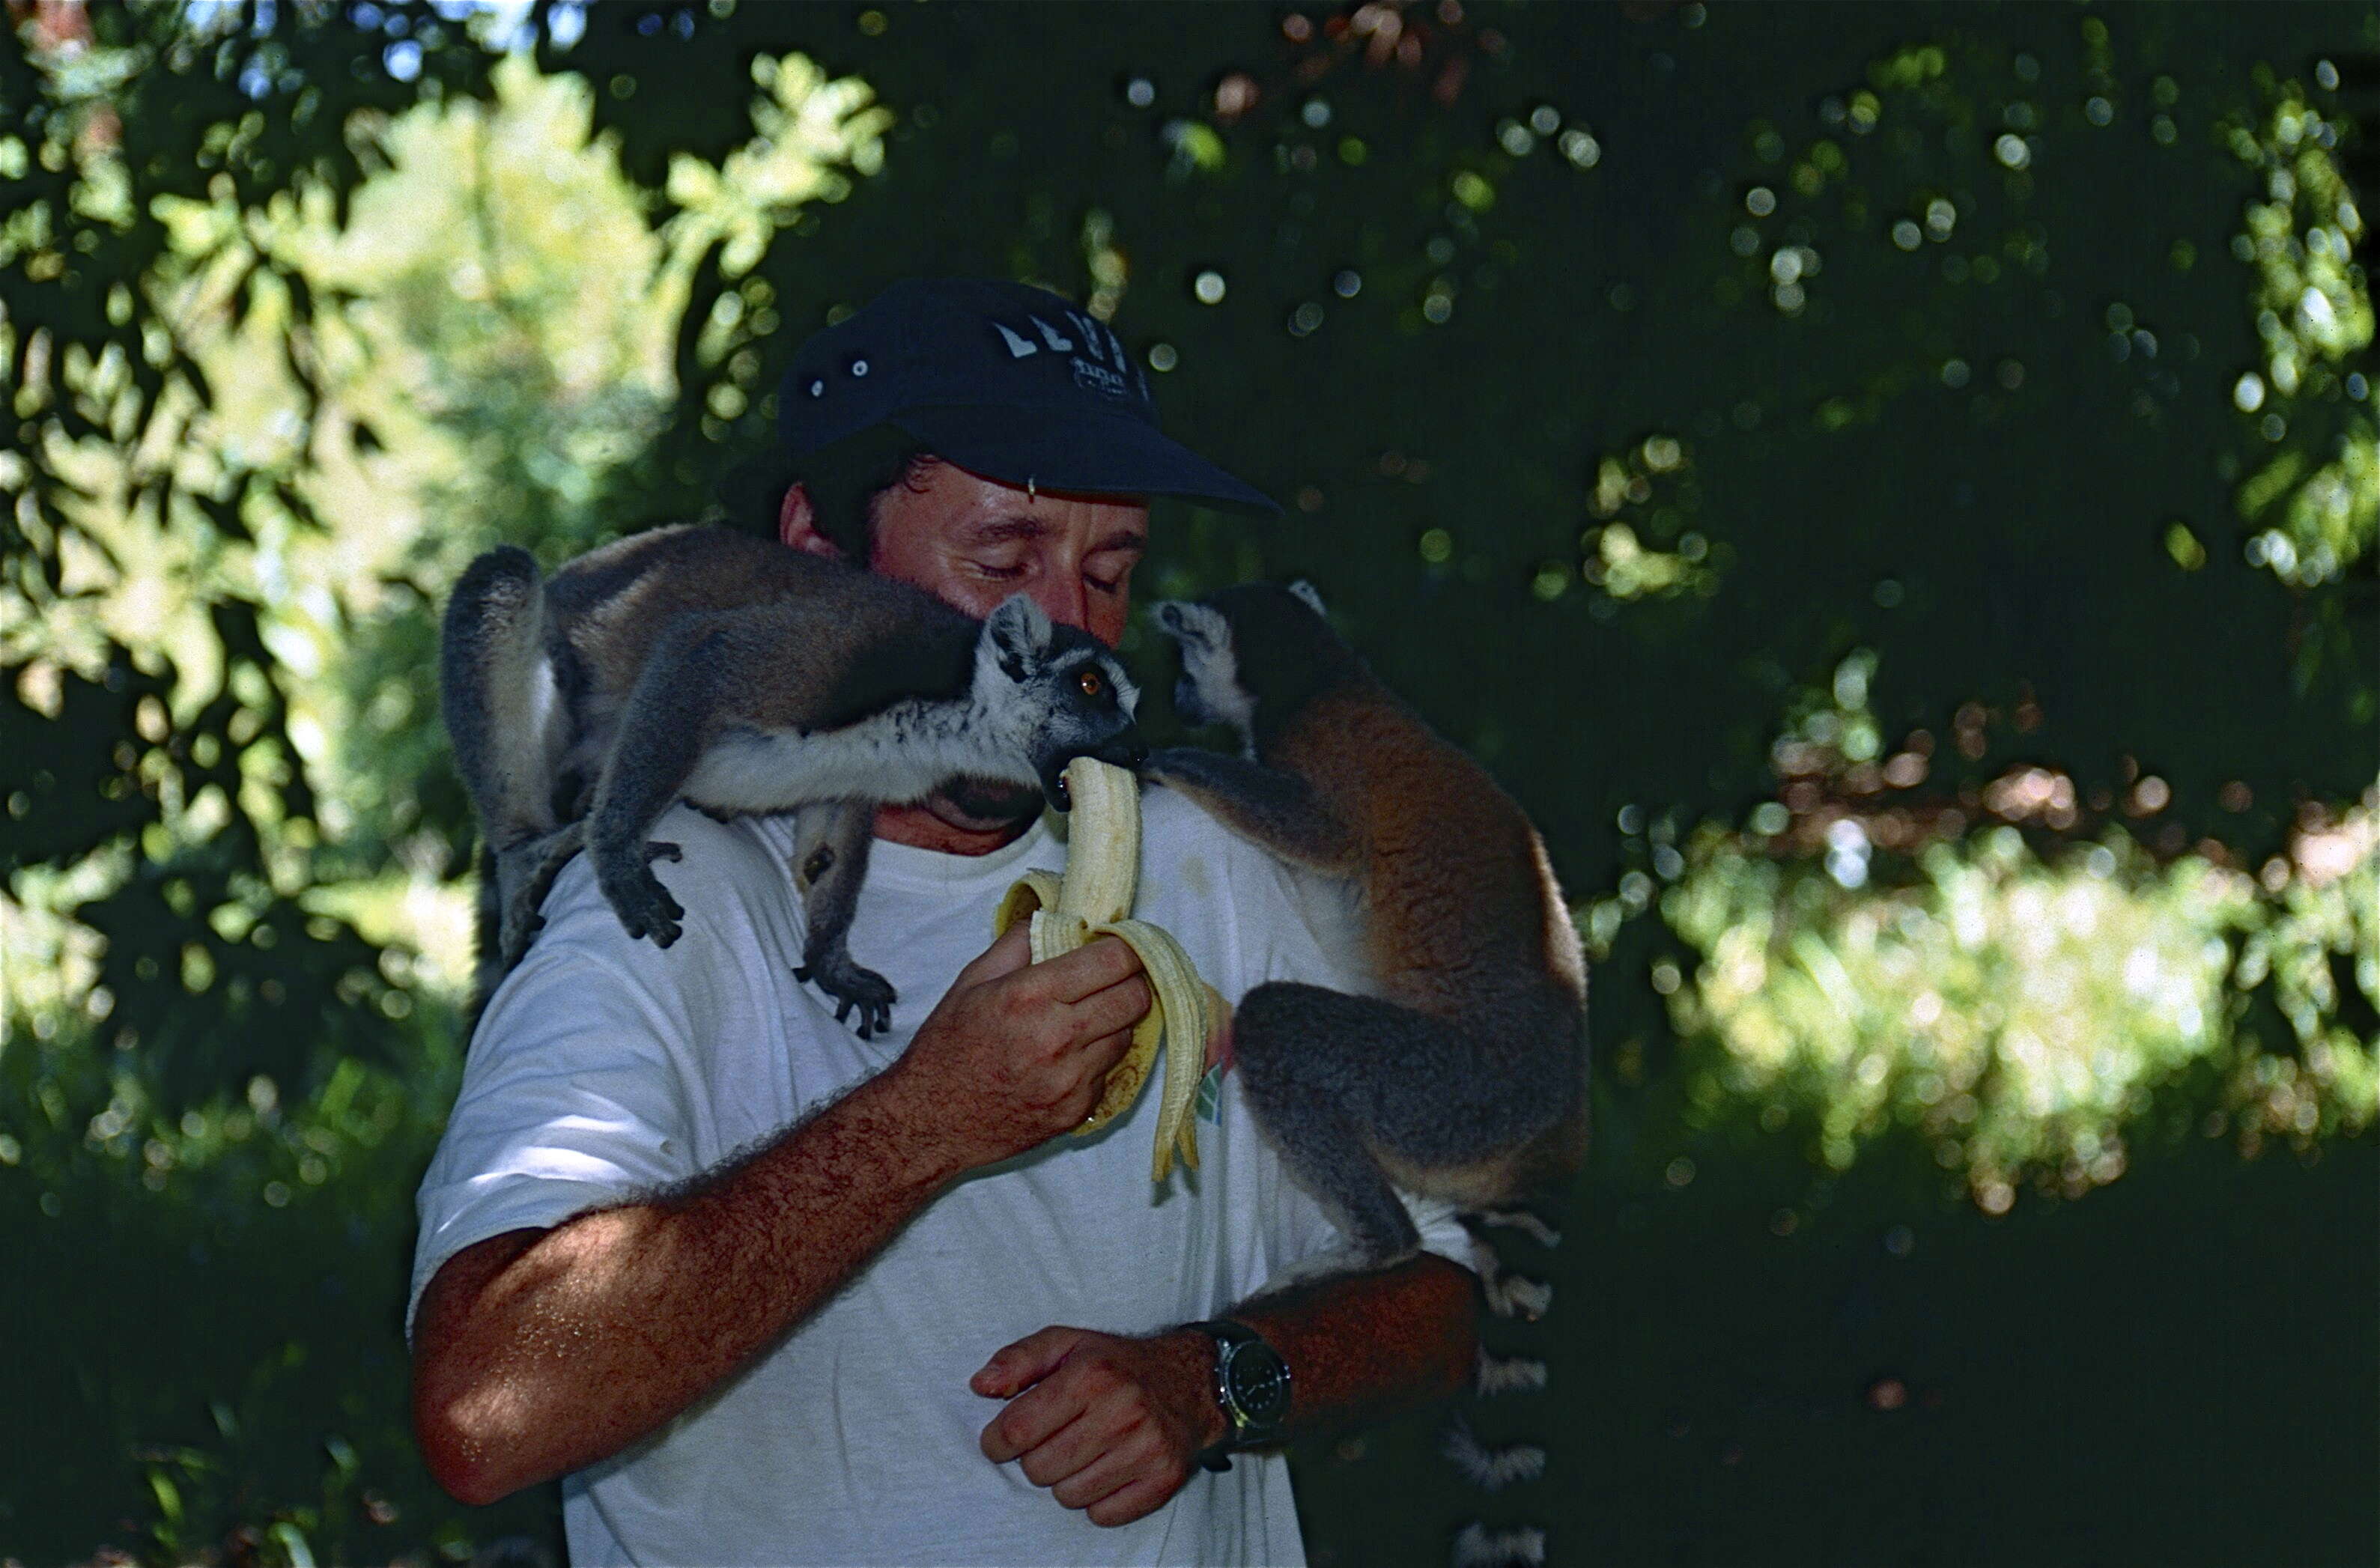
[{"x": 1095, "y": 899}]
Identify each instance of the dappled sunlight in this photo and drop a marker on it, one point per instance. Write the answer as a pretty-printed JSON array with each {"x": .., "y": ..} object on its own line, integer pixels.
[
  {"x": 2022, "y": 1011},
  {"x": 2314, "y": 323},
  {"x": 506, "y": 343},
  {"x": 2014, "y": 970}
]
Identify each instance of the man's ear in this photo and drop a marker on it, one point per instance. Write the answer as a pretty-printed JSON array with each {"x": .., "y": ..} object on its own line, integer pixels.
[{"x": 797, "y": 525}]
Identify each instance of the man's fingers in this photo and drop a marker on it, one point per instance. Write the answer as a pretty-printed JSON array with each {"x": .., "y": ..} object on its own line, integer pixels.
[
  {"x": 1022, "y": 1363},
  {"x": 1069, "y": 1452},
  {"x": 1025, "y": 1430},
  {"x": 1134, "y": 1499},
  {"x": 1104, "y": 1472},
  {"x": 1032, "y": 1419},
  {"x": 1012, "y": 951},
  {"x": 1094, "y": 966},
  {"x": 1096, "y": 1431},
  {"x": 1113, "y": 1010}
]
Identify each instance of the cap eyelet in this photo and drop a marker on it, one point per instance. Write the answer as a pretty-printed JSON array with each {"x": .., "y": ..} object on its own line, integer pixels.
[
  {"x": 817, "y": 389},
  {"x": 859, "y": 367}
]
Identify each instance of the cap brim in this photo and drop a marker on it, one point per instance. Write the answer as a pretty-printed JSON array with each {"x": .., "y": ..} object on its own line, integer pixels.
[{"x": 1098, "y": 454}]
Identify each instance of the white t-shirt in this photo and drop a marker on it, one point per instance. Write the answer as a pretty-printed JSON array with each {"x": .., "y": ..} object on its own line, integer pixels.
[{"x": 605, "y": 1068}]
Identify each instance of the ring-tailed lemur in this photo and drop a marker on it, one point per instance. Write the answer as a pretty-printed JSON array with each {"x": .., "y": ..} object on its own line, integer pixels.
[
  {"x": 744, "y": 677},
  {"x": 1465, "y": 1073}
]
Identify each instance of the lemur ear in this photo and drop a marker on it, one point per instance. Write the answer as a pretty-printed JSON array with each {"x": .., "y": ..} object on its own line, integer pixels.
[
  {"x": 1172, "y": 617},
  {"x": 1020, "y": 633},
  {"x": 1188, "y": 624},
  {"x": 1309, "y": 592}
]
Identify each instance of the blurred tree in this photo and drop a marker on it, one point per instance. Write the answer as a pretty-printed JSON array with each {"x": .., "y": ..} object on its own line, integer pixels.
[
  {"x": 251, "y": 473},
  {"x": 162, "y": 768}
]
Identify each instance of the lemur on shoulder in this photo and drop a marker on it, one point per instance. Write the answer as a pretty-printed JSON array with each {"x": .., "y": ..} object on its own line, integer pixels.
[
  {"x": 746, "y": 677},
  {"x": 1463, "y": 1075}
]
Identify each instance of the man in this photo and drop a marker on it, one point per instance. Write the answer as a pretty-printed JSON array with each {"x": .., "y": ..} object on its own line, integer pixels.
[{"x": 767, "y": 1292}]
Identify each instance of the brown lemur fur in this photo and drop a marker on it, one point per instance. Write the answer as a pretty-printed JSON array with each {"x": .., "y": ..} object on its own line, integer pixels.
[
  {"x": 1463, "y": 1075},
  {"x": 744, "y": 676}
]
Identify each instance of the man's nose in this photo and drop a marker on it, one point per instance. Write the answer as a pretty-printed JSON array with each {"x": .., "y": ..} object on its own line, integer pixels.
[{"x": 1064, "y": 597}]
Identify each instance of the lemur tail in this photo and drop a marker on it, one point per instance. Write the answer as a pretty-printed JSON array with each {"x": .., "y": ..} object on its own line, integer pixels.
[
  {"x": 1489, "y": 1445},
  {"x": 497, "y": 691},
  {"x": 504, "y": 719}
]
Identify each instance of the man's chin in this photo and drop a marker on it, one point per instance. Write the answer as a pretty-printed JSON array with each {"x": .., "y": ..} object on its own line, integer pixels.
[{"x": 984, "y": 803}]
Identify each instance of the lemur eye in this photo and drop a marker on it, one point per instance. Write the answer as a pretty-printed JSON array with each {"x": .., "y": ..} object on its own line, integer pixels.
[{"x": 1091, "y": 681}]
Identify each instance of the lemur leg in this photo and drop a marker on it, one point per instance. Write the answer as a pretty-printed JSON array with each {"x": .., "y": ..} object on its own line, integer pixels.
[
  {"x": 513, "y": 885},
  {"x": 1344, "y": 1084},
  {"x": 1274, "y": 808},
  {"x": 667, "y": 724},
  {"x": 830, "y": 862},
  {"x": 525, "y": 873},
  {"x": 1310, "y": 1064}
]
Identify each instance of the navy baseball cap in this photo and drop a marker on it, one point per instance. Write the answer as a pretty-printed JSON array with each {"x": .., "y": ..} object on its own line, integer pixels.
[{"x": 1004, "y": 379}]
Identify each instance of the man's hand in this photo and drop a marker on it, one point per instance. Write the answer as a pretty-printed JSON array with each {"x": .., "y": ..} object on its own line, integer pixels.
[
  {"x": 1015, "y": 1052},
  {"x": 1111, "y": 1425}
]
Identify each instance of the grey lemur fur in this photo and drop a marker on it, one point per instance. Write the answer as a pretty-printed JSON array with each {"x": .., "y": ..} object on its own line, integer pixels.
[
  {"x": 744, "y": 677},
  {"x": 1463, "y": 1075}
]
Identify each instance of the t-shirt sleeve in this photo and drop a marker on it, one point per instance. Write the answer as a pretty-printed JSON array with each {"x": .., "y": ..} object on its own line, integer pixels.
[
  {"x": 1308, "y": 935},
  {"x": 575, "y": 1094}
]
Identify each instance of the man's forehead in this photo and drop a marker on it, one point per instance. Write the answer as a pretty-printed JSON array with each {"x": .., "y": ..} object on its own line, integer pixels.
[
  {"x": 958, "y": 504},
  {"x": 1007, "y": 525}
]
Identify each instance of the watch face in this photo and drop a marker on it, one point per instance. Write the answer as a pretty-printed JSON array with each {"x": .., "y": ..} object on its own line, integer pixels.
[{"x": 1259, "y": 1381}]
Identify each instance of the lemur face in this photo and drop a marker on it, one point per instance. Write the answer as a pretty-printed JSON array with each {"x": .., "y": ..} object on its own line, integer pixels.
[
  {"x": 1210, "y": 691},
  {"x": 1255, "y": 648},
  {"x": 1061, "y": 691}
]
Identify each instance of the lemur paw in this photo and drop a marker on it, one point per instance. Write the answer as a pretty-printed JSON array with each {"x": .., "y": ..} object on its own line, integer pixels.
[
  {"x": 645, "y": 907},
  {"x": 852, "y": 987}
]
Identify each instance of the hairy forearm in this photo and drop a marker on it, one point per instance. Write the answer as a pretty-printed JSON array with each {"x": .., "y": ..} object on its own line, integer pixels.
[
  {"x": 1361, "y": 1347},
  {"x": 539, "y": 1358}
]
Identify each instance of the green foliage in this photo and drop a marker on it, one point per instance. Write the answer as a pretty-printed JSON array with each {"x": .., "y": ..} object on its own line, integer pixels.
[
  {"x": 2021, "y": 1016},
  {"x": 220, "y": 631},
  {"x": 221, "y": 1356},
  {"x": 176, "y": 780}
]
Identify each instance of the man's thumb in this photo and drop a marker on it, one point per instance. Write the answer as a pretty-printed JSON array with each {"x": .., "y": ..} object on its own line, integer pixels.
[{"x": 1015, "y": 1367}]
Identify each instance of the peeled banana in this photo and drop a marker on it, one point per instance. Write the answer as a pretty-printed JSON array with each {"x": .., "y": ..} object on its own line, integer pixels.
[{"x": 1094, "y": 899}]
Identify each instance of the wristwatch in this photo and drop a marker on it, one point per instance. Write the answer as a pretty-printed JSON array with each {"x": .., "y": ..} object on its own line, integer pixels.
[{"x": 1252, "y": 1386}]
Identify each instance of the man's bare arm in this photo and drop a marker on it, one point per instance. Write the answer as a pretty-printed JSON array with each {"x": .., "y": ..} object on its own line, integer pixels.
[
  {"x": 1113, "y": 1426},
  {"x": 541, "y": 1352},
  {"x": 1363, "y": 1347}
]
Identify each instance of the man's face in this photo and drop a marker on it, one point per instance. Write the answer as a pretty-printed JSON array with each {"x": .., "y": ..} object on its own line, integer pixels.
[{"x": 973, "y": 542}]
